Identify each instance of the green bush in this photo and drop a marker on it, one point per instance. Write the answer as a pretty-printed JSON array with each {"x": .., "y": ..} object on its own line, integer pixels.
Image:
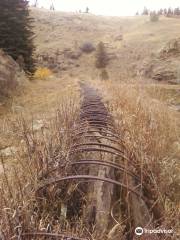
[
  {"x": 154, "y": 17},
  {"x": 104, "y": 75},
  {"x": 101, "y": 56},
  {"x": 87, "y": 47}
]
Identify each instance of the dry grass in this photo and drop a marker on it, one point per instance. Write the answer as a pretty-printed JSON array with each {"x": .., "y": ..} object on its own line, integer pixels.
[
  {"x": 39, "y": 150},
  {"x": 151, "y": 132},
  {"x": 141, "y": 39},
  {"x": 169, "y": 94},
  {"x": 150, "y": 128},
  {"x": 36, "y": 100}
]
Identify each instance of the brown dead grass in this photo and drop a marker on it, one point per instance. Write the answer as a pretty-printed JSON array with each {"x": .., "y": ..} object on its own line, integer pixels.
[
  {"x": 149, "y": 127},
  {"x": 141, "y": 40},
  {"x": 169, "y": 94},
  {"x": 20, "y": 209},
  {"x": 36, "y": 100},
  {"x": 151, "y": 131}
]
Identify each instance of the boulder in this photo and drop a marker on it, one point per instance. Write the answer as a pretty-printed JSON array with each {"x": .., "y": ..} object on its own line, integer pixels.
[
  {"x": 163, "y": 65},
  {"x": 75, "y": 55},
  {"x": 38, "y": 125},
  {"x": 172, "y": 48},
  {"x": 176, "y": 107},
  {"x": 1, "y": 171},
  {"x": 17, "y": 109},
  {"x": 164, "y": 75},
  {"x": 119, "y": 37},
  {"x": 68, "y": 53},
  {"x": 10, "y": 74},
  {"x": 161, "y": 70},
  {"x": 9, "y": 151}
]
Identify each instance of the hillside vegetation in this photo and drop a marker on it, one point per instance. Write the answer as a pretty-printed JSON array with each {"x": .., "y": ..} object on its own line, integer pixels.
[
  {"x": 133, "y": 43},
  {"x": 132, "y": 67}
]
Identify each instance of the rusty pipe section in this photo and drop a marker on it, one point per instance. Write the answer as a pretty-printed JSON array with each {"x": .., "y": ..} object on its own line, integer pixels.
[
  {"x": 100, "y": 151},
  {"x": 37, "y": 235},
  {"x": 89, "y": 178},
  {"x": 98, "y": 158}
]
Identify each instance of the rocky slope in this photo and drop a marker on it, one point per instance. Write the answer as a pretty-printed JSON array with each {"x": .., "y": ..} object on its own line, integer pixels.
[
  {"x": 10, "y": 75},
  {"x": 164, "y": 66}
]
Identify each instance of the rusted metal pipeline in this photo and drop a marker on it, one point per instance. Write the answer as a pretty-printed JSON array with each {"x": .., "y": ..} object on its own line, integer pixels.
[
  {"x": 107, "y": 164},
  {"x": 88, "y": 177},
  {"x": 94, "y": 134},
  {"x": 45, "y": 234}
]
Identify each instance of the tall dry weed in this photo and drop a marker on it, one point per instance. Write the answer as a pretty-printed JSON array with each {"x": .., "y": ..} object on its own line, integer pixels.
[
  {"x": 150, "y": 131},
  {"x": 38, "y": 153}
]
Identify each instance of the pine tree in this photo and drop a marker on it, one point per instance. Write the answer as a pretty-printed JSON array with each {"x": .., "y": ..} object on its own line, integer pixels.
[
  {"x": 160, "y": 12},
  {"x": 104, "y": 75},
  {"x": 145, "y": 11},
  {"x": 16, "y": 36},
  {"x": 35, "y": 3},
  {"x": 101, "y": 56},
  {"x": 52, "y": 6},
  {"x": 176, "y": 11},
  {"x": 169, "y": 12},
  {"x": 165, "y": 11},
  {"x": 87, "y": 10},
  {"x": 154, "y": 16}
]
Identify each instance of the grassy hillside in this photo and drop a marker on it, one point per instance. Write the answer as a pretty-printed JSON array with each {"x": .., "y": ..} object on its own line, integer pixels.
[
  {"x": 141, "y": 41},
  {"x": 41, "y": 123}
]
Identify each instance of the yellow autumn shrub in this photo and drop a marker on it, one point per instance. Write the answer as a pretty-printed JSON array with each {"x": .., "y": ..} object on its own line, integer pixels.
[{"x": 42, "y": 73}]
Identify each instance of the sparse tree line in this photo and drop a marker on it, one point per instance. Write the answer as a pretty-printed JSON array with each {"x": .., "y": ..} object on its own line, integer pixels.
[
  {"x": 52, "y": 6},
  {"x": 161, "y": 12}
]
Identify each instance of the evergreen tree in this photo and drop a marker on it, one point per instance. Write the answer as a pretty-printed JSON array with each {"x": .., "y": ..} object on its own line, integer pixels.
[
  {"x": 160, "y": 12},
  {"x": 87, "y": 10},
  {"x": 52, "y": 6},
  {"x": 154, "y": 16},
  {"x": 101, "y": 56},
  {"x": 145, "y": 11},
  {"x": 35, "y": 3},
  {"x": 176, "y": 11},
  {"x": 169, "y": 12},
  {"x": 16, "y": 36},
  {"x": 165, "y": 11},
  {"x": 104, "y": 75}
]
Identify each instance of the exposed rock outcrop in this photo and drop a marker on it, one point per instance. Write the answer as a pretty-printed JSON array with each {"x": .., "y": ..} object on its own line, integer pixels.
[
  {"x": 58, "y": 60},
  {"x": 165, "y": 65},
  {"x": 10, "y": 74},
  {"x": 172, "y": 48}
]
